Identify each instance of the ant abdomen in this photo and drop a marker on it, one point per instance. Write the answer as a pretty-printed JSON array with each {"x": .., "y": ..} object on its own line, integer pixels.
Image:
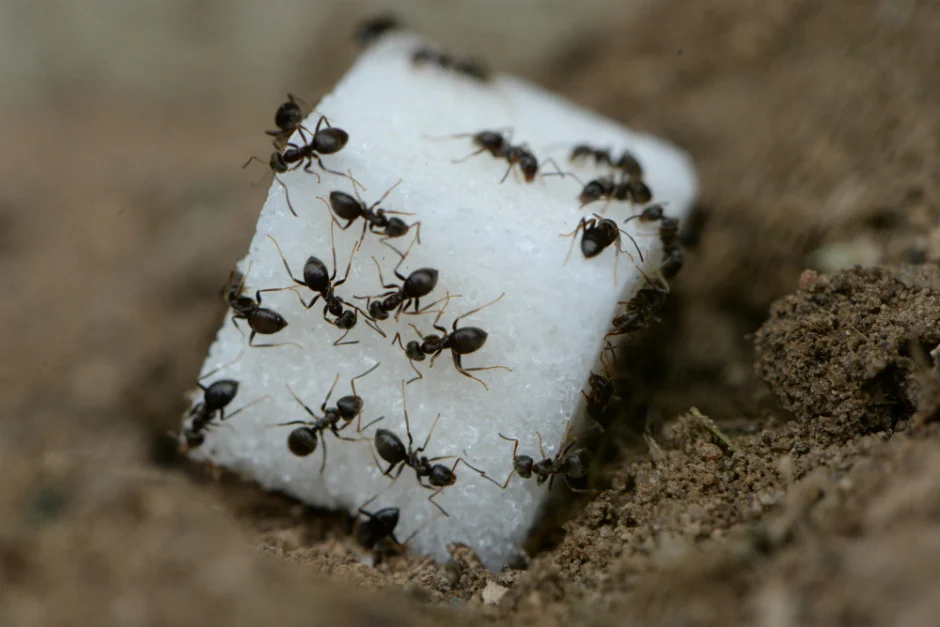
[
  {"x": 329, "y": 140},
  {"x": 302, "y": 441},
  {"x": 390, "y": 447},
  {"x": 345, "y": 206},
  {"x": 467, "y": 340},
  {"x": 220, "y": 394}
]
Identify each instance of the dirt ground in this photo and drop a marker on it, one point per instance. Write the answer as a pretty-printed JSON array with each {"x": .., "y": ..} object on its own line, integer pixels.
[{"x": 773, "y": 457}]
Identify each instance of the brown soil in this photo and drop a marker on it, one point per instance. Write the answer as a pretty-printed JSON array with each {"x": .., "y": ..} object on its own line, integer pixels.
[{"x": 813, "y": 499}]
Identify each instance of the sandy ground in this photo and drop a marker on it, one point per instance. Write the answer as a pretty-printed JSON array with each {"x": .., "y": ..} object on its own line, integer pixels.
[{"x": 803, "y": 489}]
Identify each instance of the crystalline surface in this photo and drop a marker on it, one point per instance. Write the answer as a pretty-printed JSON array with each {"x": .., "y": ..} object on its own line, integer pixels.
[{"x": 485, "y": 238}]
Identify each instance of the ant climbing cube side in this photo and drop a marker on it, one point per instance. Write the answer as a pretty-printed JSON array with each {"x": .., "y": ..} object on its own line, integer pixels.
[{"x": 452, "y": 269}]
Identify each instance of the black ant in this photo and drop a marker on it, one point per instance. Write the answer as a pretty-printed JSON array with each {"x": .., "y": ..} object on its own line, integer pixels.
[
  {"x": 640, "y": 311},
  {"x": 498, "y": 145},
  {"x": 391, "y": 449},
  {"x": 632, "y": 190},
  {"x": 288, "y": 118},
  {"x": 467, "y": 66},
  {"x": 413, "y": 288},
  {"x": 602, "y": 391},
  {"x": 462, "y": 341},
  {"x": 323, "y": 142},
  {"x": 380, "y": 525},
  {"x": 571, "y": 464},
  {"x": 215, "y": 398},
  {"x": 669, "y": 237},
  {"x": 302, "y": 441},
  {"x": 372, "y": 29},
  {"x": 318, "y": 280},
  {"x": 599, "y": 234},
  {"x": 347, "y": 208},
  {"x": 627, "y": 162},
  {"x": 260, "y": 319}
]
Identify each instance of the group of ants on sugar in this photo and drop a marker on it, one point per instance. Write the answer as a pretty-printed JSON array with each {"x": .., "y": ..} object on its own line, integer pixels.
[{"x": 625, "y": 183}]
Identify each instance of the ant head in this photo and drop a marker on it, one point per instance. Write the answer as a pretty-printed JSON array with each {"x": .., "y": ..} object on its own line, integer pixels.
[
  {"x": 243, "y": 305},
  {"x": 652, "y": 213},
  {"x": 220, "y": 394},
  {"x": 302, "y": 441},
  {"x": 316, "y": 276},
  {"x": 413, "y": 351},
  {"x": 396, "y": 226},
  {"x": 390, "y": 447},
  {"x": 347, "y": 319},
  {"x": 192, "y": 440},
  {"x": 345, "y": 206},
  {"x": 442, "y": 476},
  {"x": 529, "y": 166},
  {"x": 277, "y": 162},
  {"x": 523, "y": 466},
  {"x": 349, "y": 407},
  {"x": 377, "y": 311},
  {"x": 330, "y": 140},
  {"x": 288, "y": 116},
  {"x": 639, "y": 192},
  {"x": 592, "y": 191}
]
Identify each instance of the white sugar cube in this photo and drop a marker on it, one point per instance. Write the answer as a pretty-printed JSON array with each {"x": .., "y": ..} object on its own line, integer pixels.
[{"x": 485, "y": 238}]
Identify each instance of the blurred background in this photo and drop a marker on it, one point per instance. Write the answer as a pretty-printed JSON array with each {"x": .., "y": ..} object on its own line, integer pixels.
[{"x": 123, "y": 207}]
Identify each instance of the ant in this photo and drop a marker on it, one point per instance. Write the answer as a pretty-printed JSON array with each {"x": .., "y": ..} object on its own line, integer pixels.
[
  {"x": 413, "y": 288},
  {"x": 260, "y": 319},
  {"x": 627, "y": 162},
  {"x": 288, "y": 118},
  {"x": 347, "y": 208},
  {"x": 302, "y": 441},
  {"x": 599, "y": 234},
  {"x": 630, "y": 189},
  {"x": 640, "y": 310},
  {"x": 466, "y": 66},
  {"x": 380, "y": 525},
  {"x": 498, "y": 145},
  {"x": 215, "y": 398},
  {"x": 372, "y": 29},
  {"x": 668, "y": 237},
  {"x": 318, "y": 280},
  {"x": 571, "y": 464},
  {"x": 391, "y": 449},
  {"x": 323, "y": 142},
  {"x": 602, "y": 391},
  {"x": 462, "y": 341}
]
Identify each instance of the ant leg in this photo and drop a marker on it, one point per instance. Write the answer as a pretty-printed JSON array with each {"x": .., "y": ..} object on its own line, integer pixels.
[
  {"x": 466, "y": 371},
  {"x": 286, "y": 194},
  {"x": 340, "y": 342},
  {"x": 398, "y": 265},
  {"x": 508, "y": 170},
  {"x": 369, "y": 424},
  {"x": 241, "y": 409},
  {"x": 428, "y": 439},
  {"x": 241, "y": 354},
  {"x": 253, "y": 345},
  {"x": 328, "y": 395},
  {"x": 254, "y": 158},
  {"x": 323, "y": 463},
  {"x": 384, "y": 196},
  {"x": 583, "y": 224},
  {"x": 414, "y": 533},
  {"x": 436, "y": 504},
  {"x": 557, "y": 172},
  {"x": 384, "y": 240},
  {"x": 480, "y": 308},
  {"x": 258, "y": 294},
  {"x": 235, "y": 324},
  {"x": 541, "y": 448},
  {"x": 462, "y": 159},
  {"x": 286, "y": 266},
  {"x": 404, "y": 406},
  {"x": 352, "y": 384}
]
